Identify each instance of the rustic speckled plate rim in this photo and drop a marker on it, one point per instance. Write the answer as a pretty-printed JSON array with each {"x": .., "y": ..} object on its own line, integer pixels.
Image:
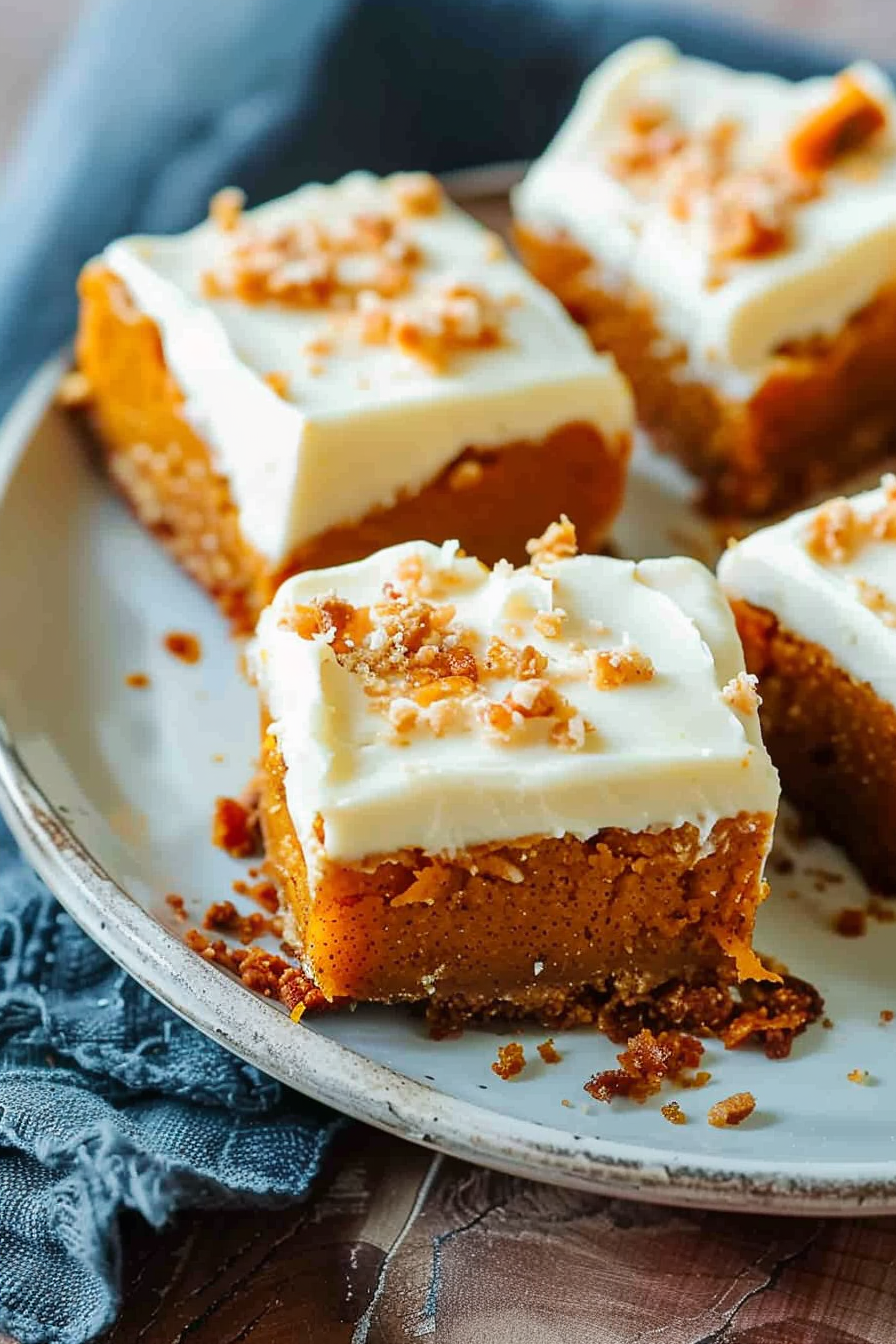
[{"x": 263, "y": 1035}]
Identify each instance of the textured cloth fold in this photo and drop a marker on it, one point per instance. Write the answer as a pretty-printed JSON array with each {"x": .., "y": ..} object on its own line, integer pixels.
[
  {"x": 107, "y": 1101},
  {"x": 110, "y": 1102}
]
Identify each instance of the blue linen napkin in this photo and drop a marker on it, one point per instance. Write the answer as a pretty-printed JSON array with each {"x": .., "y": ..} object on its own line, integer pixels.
[
  {"x": 110, "y": 1102},
  {"x": 107, "y": 1101}
]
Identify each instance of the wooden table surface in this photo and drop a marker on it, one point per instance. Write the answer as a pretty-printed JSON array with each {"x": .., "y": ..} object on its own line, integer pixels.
[{"x": 399, "y": 1244}]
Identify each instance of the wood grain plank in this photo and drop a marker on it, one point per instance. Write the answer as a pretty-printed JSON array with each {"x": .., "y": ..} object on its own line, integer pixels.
[
  {"x": 281, "y": 1275},
  {"x": 492, "y": 1257}
]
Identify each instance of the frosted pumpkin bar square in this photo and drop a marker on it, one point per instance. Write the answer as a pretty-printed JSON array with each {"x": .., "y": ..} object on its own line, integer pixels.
[
  {"x": 536, "y": 791},
  {"x": 731, "y": 237},
  {"x": 815, "y": 601},
  {"x": 354, "y": 365}
]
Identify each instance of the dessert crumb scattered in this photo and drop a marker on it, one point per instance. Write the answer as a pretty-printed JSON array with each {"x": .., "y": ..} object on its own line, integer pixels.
[
  {"x": 264, "y": 893},
  {"x": 549, "y": 1053},
  {"x": 184, "y": 646},
  {"x": 827, "y": 1024},
  {"x": 235, "y": 827},
  {"x": 886, "y": 1015},
  {"x": 850, "y": 922},
  {"x": 646, "y": 1062},
  {"x": 732, "y": 1110},
  {"x": 511, "y": 1060},
  {"x": 176, "y": 903},
  {"x": 673, "y": 1113},
  {"x": 860, "y": 1076},
  {"x": 262, "y": 971},
  {"x": 138, "y": 681}
]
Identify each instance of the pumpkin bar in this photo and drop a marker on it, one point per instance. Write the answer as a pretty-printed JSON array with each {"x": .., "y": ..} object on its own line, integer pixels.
[
  {"x": 815, "y": 600},
  {"x": 351, "y": 366},
  {"x": 536, "y": 791},
  {"x": 731, "y": 238}
]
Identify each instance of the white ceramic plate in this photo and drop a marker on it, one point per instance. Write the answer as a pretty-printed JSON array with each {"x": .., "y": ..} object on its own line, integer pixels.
[{"x": 110, "y": 791}]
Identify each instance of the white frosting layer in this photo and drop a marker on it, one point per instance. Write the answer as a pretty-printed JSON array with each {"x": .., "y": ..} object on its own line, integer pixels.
[
  {"x": 821, "y": 602},
  {"x": 663, "y": 752},
  {"x": 365, "y": 423},
  {"x": 844, "y": 242}
]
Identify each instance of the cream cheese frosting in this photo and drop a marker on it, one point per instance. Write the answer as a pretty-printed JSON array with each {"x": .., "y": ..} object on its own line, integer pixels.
[
  {"x": 360, "y": 425},
  {"x": 842, "y": 248},
  {"x": 641, "y": 663},
  {"x": 845, "y": 603}
]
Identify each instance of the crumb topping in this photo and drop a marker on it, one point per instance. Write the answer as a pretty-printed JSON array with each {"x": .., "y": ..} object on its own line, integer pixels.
[
  {"x": 557, "y": 542},
  {"x": 434, "y": 324},
  {"x": 741, "y": 693},
  {"x": 548, "y": 1051},
  {"x": 510, "y": 1062},
  {"x": 225, "y": 209},
  {"x": 876, "y": 600},
  {"x": 416, "y": 193},
  {"x": 836, "y": 534},
  {"x": 364, "y": 271},
  {"x": 619, "y": 667},
  {"x": 747, "y": 212},
  {"x": 846, "y": 123},
  {"x": 424, "y": 671},
  {"x": 732, "y": 1111}
]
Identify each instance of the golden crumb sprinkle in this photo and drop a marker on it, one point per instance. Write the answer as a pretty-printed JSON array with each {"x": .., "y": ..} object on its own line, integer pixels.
[
  {"x": 557, "y": 542},
  {"x": 673, "y": 1113},
  {"x": 74, "y": 389},
  {"x": 647, "y": 1061},
  {"x": 511, "y": 1060},
  {"x": 138, "y": 681},
  {"x": 751, "y": 213},
  {"x": 278, "y": 382},
  {"x": 548, "y": 1051},
  {"x": 860, "y": 1076},
  {"x": 649, "y": 140},
  {"x": 741, "y": 693},
  {"x": 835, "y": 533},
  {"x": 610, "y": 668},
  {"x": 732, "y": 1111},
  {"x": 842, "y": 125},
  {"x": 226, "y": 208},
  {"x": 434, "y": 324},
  {"x": 886, "y": 1016},
  {"x": 402, "y": 714},
  {"x": 416, "y": 193},
  {"x": 876, "y": 600},
  {"x": 549, "y": 624}
]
